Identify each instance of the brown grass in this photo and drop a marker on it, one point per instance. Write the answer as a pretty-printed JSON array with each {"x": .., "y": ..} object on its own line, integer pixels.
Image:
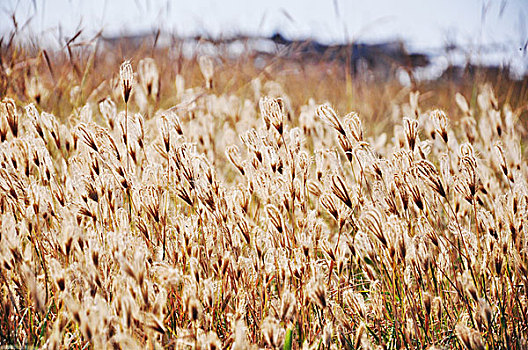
[{"x": 229, "y": 206}]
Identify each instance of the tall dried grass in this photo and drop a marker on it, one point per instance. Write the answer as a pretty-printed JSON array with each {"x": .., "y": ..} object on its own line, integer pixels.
[{"x": 144, "y": 211}]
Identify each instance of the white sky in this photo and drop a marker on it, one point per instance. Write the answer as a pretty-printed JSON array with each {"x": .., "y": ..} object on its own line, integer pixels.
[{"x": 423, "y": 24}]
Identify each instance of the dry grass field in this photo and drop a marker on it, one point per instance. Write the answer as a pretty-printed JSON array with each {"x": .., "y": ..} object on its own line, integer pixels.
[{"x": 153, "y": 200}]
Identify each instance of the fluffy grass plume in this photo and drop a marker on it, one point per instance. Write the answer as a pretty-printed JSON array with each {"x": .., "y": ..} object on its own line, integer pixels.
[{"x": 202, "y": 202}]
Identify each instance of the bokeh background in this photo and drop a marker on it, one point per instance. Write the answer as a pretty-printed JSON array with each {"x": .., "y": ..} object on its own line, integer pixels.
[{"x": 489, "y": 32}]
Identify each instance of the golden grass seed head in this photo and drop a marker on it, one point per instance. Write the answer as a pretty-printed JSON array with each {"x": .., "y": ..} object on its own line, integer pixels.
[
  {"x": 126, "y": 75},
  {"x": 34, "y": 117},
  {"x": 427, "y": 302},
  {"x": 273, "y": 113},
  {"x": 340, "y": 191},
  {"x": 317, "y": 293},
  {"x": 165, "y": 132},
  {"x": 3, "y": 128},
  {"x": 207, "y": 68},
  {"x": 475, "y": 340},
  {"x": 485, "y": 313},
  {"x": 441, "y": 123},
  {"x": 11, "y": 115},
  {"x": 211, "y": 342},
  {"x": 330, "y": 205},
  {"x": 462, "y": 103},
  {"x": 354, "y": 126},
  {"x": 149, "y": 76},
  {"x": 428, "y": 173},
  {"x": 272, "y": 332},
  {"x": 410, "y": 127},
  {"x": 233, "y": 154},
  {"x": 346, "y": 146},
  {"x": 288, "y": 306},
  {"x": 329, "y": 116},
  {"x": 108, "y": 111},
  {"x": 327, "y": 335}
]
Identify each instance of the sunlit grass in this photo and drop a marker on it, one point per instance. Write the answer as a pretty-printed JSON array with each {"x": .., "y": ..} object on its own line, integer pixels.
[{"x": 201, "y": 202}]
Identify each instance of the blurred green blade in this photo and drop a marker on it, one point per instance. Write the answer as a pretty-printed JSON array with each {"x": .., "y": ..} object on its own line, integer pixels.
[{"x": 288, "y": 340}]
